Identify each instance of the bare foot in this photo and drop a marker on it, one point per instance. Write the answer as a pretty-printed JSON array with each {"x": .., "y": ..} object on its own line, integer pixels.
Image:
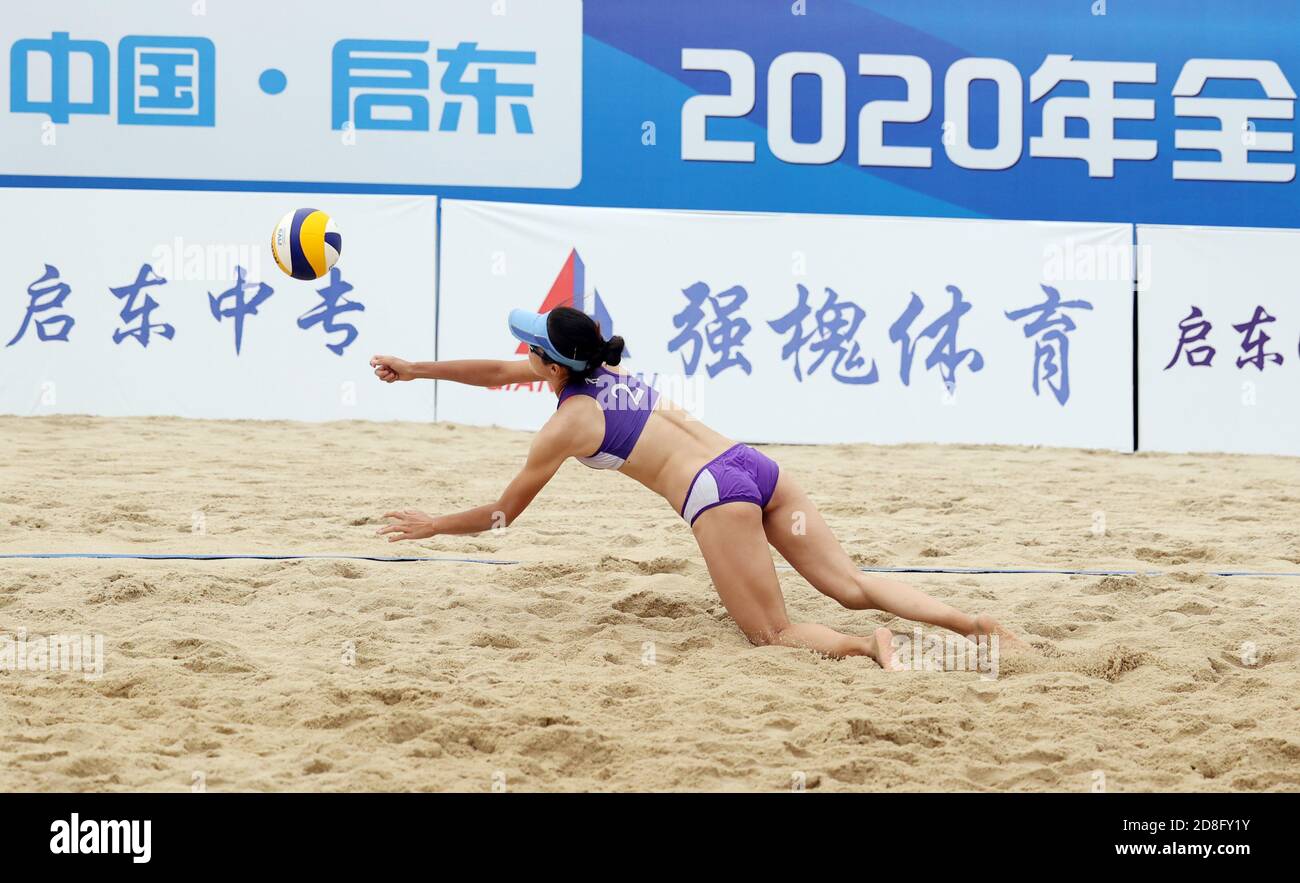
[
  {"x": 987, "y": 625},
  {"x": 884, "y": 639}
]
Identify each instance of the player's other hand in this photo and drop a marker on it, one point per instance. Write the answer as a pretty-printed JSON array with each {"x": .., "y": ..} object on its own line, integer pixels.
[
  {"x": 407, "y": 524},
  {"x": 391, "y": 368}
]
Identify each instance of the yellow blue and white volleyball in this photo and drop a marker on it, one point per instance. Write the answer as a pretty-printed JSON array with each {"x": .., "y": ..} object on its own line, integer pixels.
[{"x": 306, "y": 244}]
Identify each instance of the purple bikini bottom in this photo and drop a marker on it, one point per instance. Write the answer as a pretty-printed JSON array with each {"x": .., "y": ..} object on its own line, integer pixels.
[{"x": 739, "y": 474}]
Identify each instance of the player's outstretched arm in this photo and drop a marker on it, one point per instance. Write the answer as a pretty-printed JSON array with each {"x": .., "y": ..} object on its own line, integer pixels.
[{"x": 474, "y": 372}]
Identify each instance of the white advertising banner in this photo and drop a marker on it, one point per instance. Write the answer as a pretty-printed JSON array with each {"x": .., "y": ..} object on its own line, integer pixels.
[
  {"x": 1219, "y": 340},
  {"x": 435, "y": 92},
  {"x": 812, "y": 328},
  {"x": 150, "y": 303}
]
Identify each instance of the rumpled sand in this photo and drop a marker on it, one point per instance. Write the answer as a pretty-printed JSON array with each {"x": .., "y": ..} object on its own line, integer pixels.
[{"x": 605, "y": 661}]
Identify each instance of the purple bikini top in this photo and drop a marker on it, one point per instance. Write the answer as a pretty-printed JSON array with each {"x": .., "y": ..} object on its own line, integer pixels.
[{"x": 626, "y": 402}]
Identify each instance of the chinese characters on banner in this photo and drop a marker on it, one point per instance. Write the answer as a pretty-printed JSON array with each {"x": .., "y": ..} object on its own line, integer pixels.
[
  {"x": 50, "y": 293},
  {"x": 171, "y": 81},
  {"x": 813, "y": 328},
  {"x": 1195, "y": 328},
  {"x": 167, "y": 81},
  {"x": 1235, "y": 138},
  {"x": 129, "y": 312},
  {"x": 833, "y": 331},
  {"x": 445, "y": 93},
  {"x": 368, "y": 65},
  {"x": 1219, "y": 347}
]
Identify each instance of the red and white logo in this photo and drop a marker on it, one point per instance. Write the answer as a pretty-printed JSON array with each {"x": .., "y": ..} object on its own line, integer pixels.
[{"x": 570, "y": 290}]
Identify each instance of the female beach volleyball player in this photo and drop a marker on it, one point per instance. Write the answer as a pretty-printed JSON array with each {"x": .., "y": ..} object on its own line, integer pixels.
[{"x": 735, "y": 499}]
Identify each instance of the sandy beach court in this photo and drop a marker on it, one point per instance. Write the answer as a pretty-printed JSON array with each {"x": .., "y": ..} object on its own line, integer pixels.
[{"x": 603, "y": 660}]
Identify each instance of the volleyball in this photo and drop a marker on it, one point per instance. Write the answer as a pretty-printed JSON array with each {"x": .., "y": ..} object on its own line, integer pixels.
[{"x": 306, "y": 244}]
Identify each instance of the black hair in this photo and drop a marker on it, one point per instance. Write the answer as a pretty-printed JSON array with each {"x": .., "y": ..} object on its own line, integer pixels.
[{"x": 576, "y": 335}]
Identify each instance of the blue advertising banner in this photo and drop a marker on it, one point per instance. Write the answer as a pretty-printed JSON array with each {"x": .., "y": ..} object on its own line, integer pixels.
[
  {"x": 1165, "y": 111},
  {"x": 1177, "y": 111}
]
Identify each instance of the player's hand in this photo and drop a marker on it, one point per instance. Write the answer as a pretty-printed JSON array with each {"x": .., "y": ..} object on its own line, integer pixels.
[
  {"x": 391, "y": 368},
  {"x": 407, "y": 524}
]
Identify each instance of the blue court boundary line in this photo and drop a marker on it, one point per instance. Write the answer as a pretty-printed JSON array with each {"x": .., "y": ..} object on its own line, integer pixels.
[
  {"x": 1064, "y": 571},
  {"x": 393, "y": 559}
]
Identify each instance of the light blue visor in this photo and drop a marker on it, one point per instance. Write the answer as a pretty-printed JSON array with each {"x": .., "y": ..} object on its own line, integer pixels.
[{"x": 531, "y": 329}]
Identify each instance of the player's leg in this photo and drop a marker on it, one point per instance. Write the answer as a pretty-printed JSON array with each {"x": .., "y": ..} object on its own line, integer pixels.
[
  {"x": 793, "y": 525},
  {"x": 735, "y": 549}
]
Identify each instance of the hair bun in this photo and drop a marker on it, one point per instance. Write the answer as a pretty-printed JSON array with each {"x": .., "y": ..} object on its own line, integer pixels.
[{"x": 613, "y": 352}]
